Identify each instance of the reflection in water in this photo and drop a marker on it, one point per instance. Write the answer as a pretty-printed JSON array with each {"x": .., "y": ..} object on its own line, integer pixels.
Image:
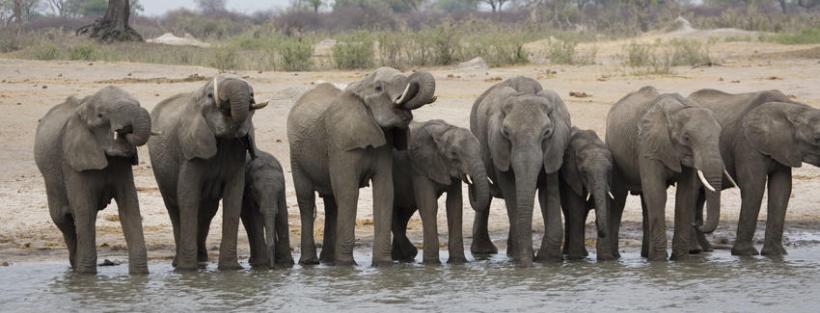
[{"x": 715, "y": 282}]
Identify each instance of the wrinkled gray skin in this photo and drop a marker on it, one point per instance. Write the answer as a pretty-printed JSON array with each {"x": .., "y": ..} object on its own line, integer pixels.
[
  {"x": 339, "y": 141},
  {"x": 658, "y": 140},
  {"x": 265, "y": 212},
  {"x": 200, "y": 159},
  {"x": 585, "y": 178},
  {"x": 85, "y": 149},
  {"x": 439, "y": 157},
  {"x": 523, "y": 131},
  {"x": 764, "y": 136}
]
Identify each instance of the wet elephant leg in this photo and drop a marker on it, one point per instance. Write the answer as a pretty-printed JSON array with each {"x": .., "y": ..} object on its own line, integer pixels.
[
  {"x": 653, "y": 187},
  {"x": 428, "y": 209},
  {"x": 700, "y": 244},
  {"x": 507, "y": 184},
  {"x": 131, "y": 223},
  {"x": 644, "y": 229},
  {"x": 575, "y": 213},
  {"x": 252, "y": 220},
  {"x": 455, "y": 208},
  {"x": 306, "y": 199},
  {"x": 752, "y": 185},
  {"x": 329, "y": 239},
  {"x": 607, "y": 248},
  {"x": 206, "y": 215},
  {"x": 402, "y": 250},
  {"x": 780, "y": 188},
  {"x": 685, "y": 198},
  {"x": 482, "y": 244},
  {"x": 549, "y": 199}
]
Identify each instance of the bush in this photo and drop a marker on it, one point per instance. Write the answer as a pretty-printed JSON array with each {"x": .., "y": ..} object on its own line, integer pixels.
[
  {"x": 297, "y": 54},
  {"x": 46, "y": 52},
  {"x": 648, "y": 59},
  {"x": 225, "y": 58},
  {"x": 497, "y": 48},
  {"x": 85, "y": 52},
  {"x": 690, "y": 52},
  {"x": 354, "y": 52},
  {"x": 805, "y": 36}
]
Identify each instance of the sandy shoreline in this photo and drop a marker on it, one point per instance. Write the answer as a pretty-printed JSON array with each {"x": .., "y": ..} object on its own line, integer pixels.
[{"x": 29, "y": 88}]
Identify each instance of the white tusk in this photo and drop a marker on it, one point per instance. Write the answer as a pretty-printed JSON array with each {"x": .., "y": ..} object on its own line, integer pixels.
[
  {"x": 403, "y": 94},
  {"x": 469, "y": 181},
  {"x": 257, "y": 106},
  {"x": 491, "y": 181},
  {"x": 216, "y": 91},
  {"x": 156, "y": 133},
  {"x": 611, "y": 196},
  {"x": 589, "y": 195},
  {"x": 705, "y": 183},
  {"x": 730, "y": 178},
  {"x": 116, "y": 135}
]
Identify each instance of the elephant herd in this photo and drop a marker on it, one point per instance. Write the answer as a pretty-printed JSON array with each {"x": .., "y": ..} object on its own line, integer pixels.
[{"x": 521, "y": 146}]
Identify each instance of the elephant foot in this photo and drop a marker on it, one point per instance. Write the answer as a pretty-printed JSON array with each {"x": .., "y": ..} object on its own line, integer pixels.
[
  {"x": 311, "y": 260},
  {"x": 404, "y": 252},
  {"x": 229, "y": 266},
  {"x": 744, "y": 250},
  {"x": 86, "y": 269},
  {"x": 544, "y": 257},
  {"x": 483, "y": 245},
  {"x": 285, "y": 261},
  {"x": 657, "y": 256},
  {"x": 431, "y": 261},
  {"x": 138, "y": 269},
  {"x": 605, "y": 257},
  {"x": 773, "y": 250},
  {"x": 575, "y": 256},
  {"x": 456, "y": 259},
  {"x": 680, "y": 256}
]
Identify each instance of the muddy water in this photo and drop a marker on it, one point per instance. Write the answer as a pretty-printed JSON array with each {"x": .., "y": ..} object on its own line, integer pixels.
[{"x": 712, "y": 283}]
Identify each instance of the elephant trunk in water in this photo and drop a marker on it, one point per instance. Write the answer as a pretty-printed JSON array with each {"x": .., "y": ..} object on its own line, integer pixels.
[
  {"x": 239, "y": 98},
  {"x": 139, "y": 122},
  {"x": 600, "y": 194},
  {"x": 479, "y": 188},
  {"x": 709, "y": 171},
  {"x": 527, "y": 165},
  {"x": 419, "y": 91}
]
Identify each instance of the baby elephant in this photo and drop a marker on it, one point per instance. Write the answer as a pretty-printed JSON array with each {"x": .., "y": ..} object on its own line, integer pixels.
[
  {"x": 264, "y": 211},
  {"x": 439, "y": 157},
  {"x": 584, "y": 181},
  {"x": 85, "y": 149}
]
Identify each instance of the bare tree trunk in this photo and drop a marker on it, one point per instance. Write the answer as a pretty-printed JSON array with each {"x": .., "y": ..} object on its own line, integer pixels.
[
  {"x": 17, "y": 11},
  {"x": 114, "y": 25}
]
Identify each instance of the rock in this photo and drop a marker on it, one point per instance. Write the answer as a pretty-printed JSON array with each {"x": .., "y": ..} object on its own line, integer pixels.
[
  {"x": 108, "y": 262},
  {"x": 579, "y": 94},
  {"x": 680, "y": 25},
  {"x": 476, "y": 63},
  {"x": 4, "y": 264},
  {"x": 171, "y": 40}
]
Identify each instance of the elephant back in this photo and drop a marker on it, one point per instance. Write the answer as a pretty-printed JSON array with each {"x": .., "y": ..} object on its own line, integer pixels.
[
  {"x": 47, "y": 143},
  {"x": 305, "y": 116}
]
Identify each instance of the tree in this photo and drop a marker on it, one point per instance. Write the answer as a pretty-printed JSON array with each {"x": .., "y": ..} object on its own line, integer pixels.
[
  {"x": 495, "y": 4},
  {"x": 315, "y": 5},
  {"x": 113, "y": 26},
  {"x": 452, "y": 6},
  {"x": 211, "y": 6}
]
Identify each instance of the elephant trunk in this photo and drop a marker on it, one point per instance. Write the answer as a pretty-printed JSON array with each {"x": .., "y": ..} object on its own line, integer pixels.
[
  {"x": 527, "y": 166},
  {"x": 420, "y": 90},
  {"x": 479, "y": 189},
  {"x": 600, "y": 193},
  {"x": 710, "y": 174},
  {"x": 140, "y": 122},
  {"x": 239, "y": 98}
]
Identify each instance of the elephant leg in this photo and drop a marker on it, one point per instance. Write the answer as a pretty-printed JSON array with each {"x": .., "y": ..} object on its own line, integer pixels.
[
  {"x": 685, "y": 198},
  {"x": 455, "y": 241},
  {"x": 482, "y": 244},
  {"x": 382, "y": 206},
  {"x": 329, "y": 238},
  {"x": 607, "y": 248},
  {"x": 282, "y": 254},
  {"x": 428, "y": 209},
  {"x": 208, "y": 209},
  {"x": 549, "y": 199},
  {"x": 131, "y": 222},
  {"x": 189, "y": 190},
  {"x": 653, "y": 185},
  {"x": 507, "y": 186},
  {"x": 780, "y": 189},
  {"x": 700, "y": 244},
  {"x": 306, "y": 199},
  {"x": 64, "y": 222},
  {"x": 403, "y": 250},
  {"x": 252, "y": 220},
  {"x": 231, "y": 208},
  {"x": 575, "y": 213},
  {"x": 344, "y": 179},
  {"x": 752, "y": 185},
  {"x": 644, "y": 229},
  {"x": 173, "y": 214},
  {"x": 84, "y": 199}
]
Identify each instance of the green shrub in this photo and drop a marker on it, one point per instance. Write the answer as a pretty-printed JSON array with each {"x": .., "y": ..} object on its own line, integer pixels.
[
  {"x": 805, "y": 36},
  {"x": 648, "y": 59},
  {"x": 497, "y": 48},
  {"x": 354, "y": 52},
  {"x": 297, "y": 54},
  {"x": 225, "y": 58},
  {"x": 689, "y": 52},
  {"x": 46, "y": 52},
  {"x": 86, "y": 52}
]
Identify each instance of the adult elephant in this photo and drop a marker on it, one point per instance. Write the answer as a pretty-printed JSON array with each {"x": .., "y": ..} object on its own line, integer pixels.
[
  {"x": 585, "y": 179},
  {"x": 523, "y": 130},
  {"x": 85, "y": 149},
  {"x": 200, "y": 159},
  {"x": 658, "y": 140},
  {"x": 439, "y": 158},
  {"x": 765, "y": 135},
  {"x": 340, "y": 140}
]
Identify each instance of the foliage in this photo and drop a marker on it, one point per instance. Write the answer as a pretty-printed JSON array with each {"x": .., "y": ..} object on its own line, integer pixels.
[
  {"x": 354, "y": 51},
  {"x": 225, "y": 58},
  {"x": 297, "y": 54},
  {"x": 809, "y": 35}
]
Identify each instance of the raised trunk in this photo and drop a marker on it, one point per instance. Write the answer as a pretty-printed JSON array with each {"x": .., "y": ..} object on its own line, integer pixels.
[
  {"x": 422, "y": 88},
  {"x": 479, "y": 190},
  {"x": 140, "y": 123},
  {"x": 238, "y": 97},
  {"x": 114, "y": 25}
]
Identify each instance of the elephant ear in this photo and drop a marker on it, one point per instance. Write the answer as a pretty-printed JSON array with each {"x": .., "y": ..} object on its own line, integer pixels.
[
  {"x": 426, "y": 158},
  {"x": 196, "y": 138},
  {"x": 350, "y": 125},
  {"x": 498, "y": 145},
  {"x": 654, "y": 134},
  {"x": 555, "y": 147},
  {"x": 570, "y": 173},
  {"x": 80, "y": 149},
  {"x": 770, "y": 130}
]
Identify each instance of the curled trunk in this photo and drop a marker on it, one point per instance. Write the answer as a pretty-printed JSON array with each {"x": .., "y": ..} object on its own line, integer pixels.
[
  {"x": 479, "y": 190},
  {"x": 421, "y": 90},
  {"x": 239, "y": 98},
  {"x": 140, "y": 123}
]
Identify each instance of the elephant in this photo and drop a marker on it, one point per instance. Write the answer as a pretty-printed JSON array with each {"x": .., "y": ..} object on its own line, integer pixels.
[
  {"x": 524, "y": 131},
  {"x": 200, "y": 159},
  {"x": 765, "y": 134},
  {"x": 585, "y": 179},
  {"x": 439, "y": 157},
  {"x": 84, "y": 148},
  {"x": 265, "y": 211},
  {"x": 342, "y": 139},
  {"x": 657, "y": 140}
]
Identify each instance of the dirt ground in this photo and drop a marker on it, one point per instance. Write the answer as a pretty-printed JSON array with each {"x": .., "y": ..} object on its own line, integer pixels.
[{"x": 29, "y": 88}]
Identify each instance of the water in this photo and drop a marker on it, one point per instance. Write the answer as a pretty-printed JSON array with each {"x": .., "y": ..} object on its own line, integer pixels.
[{"x": 715, "y": 283}]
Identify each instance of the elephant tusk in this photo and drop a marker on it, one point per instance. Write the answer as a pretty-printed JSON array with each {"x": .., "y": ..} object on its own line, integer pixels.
[
  {"x": 156, "y": 133},
  {"x": 611, "y": 196},
  {"x": 257, "y": 106},
  {"x": 589, "y": 195},
  {"x": 731, "y": 180},
  {"x": 469, "y": 181},
  {"x": 400, "y": 99},
  {"x": 216, "y": 91},
  {"x": 116, "y": 135},
  {"x": 704, "y": 182}
]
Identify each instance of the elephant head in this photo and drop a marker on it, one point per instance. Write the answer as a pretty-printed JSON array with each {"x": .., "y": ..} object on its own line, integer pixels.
[
  {"x": 587, "y": 169},
  {"x": 526, "y": 133},
  {"x": 110, "y": 123},
  {"x": 377, "y": 109},
  {"x": 677, "y": 133},
  {"x": 443, "y": 152},
  {"x": 223, "y": 110},
  {"x": 788, "y": 132}
]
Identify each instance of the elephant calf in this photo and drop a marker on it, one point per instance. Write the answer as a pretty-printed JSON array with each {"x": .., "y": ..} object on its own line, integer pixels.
[
  {"x": 439, "y": 157},
  {"x": 85, "y": 149},
  {"x": 265, "y": 212},
  {"x": 584, "y": 179}
]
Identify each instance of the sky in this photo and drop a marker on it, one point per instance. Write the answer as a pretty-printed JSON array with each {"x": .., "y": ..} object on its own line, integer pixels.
[{"x": 158, "y": 7}]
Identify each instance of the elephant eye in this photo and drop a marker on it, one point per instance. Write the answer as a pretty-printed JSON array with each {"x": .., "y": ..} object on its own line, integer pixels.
[
  {"x": 378, "y": 88},
  {"x": 99, "y": 115}
]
